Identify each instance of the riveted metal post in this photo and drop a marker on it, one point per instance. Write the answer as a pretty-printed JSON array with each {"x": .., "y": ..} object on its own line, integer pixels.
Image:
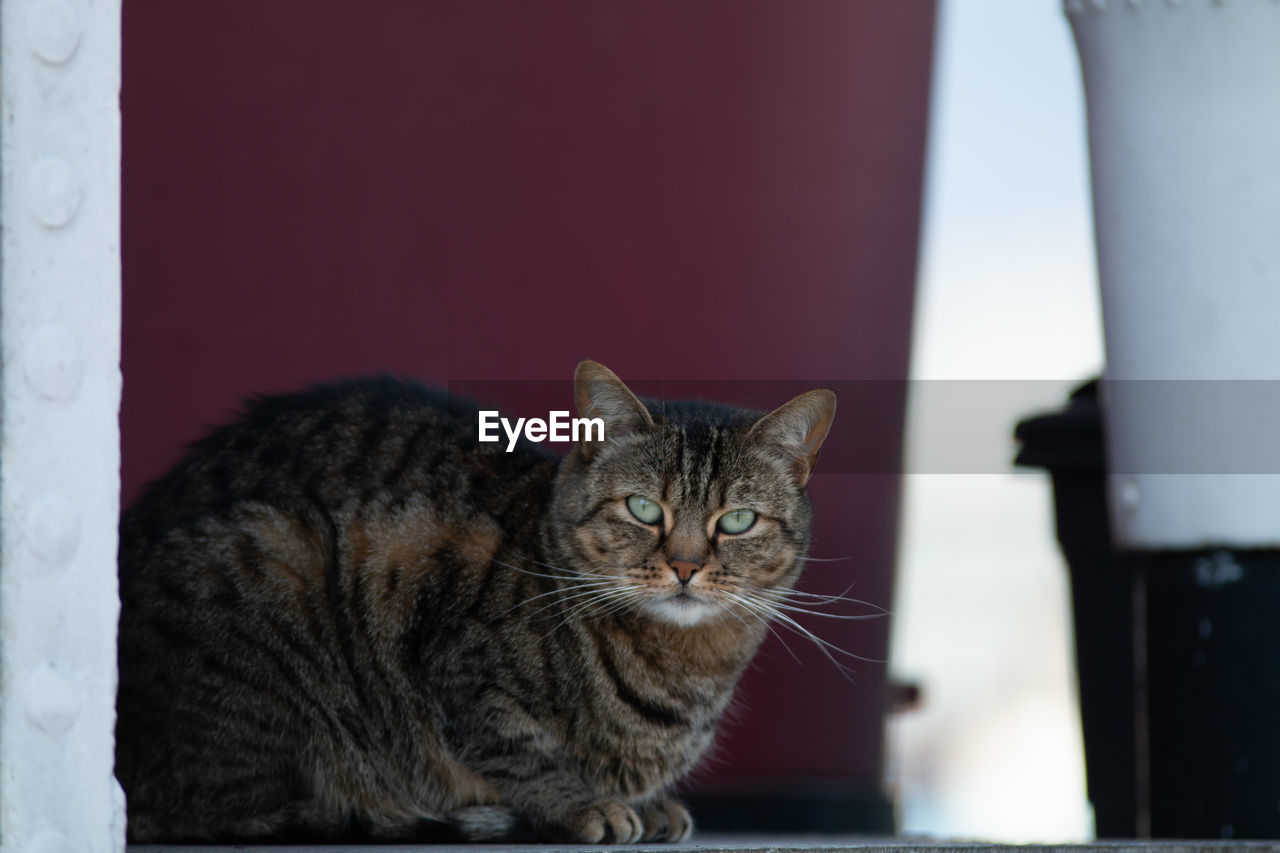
[{"x": 59, "y": 437}]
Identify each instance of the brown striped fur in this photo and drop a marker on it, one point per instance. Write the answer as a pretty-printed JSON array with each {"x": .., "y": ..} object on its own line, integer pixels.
[{"x": 343, "y": 617}]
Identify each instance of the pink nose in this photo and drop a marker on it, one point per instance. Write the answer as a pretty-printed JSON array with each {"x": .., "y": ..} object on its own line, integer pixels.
[{"x": 685, "y": 569}]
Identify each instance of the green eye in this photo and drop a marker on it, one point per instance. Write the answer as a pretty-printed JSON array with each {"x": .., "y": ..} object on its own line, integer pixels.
[
  {"x": 736, "y": 521},
  {"x": 644, "y": 509}
]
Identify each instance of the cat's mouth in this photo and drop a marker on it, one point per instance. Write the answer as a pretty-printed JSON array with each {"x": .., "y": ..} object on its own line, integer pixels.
[{"x": 682, "y": 607}]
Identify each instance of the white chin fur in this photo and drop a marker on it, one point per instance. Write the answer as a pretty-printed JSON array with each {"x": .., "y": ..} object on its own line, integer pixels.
[{"x": 683, "y": 612}]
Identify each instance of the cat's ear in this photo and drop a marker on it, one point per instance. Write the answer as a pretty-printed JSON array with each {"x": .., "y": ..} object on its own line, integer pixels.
[
  {"x": 795, "y": 430},
  {"x": 599, "y": 393}
]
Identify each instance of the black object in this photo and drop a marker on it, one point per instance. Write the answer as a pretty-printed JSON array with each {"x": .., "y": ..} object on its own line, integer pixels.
[
  {"x": 1178, "y": 656},
  {"x": 1213, "y": 673},
  {"x": 1069, "y": 444}
]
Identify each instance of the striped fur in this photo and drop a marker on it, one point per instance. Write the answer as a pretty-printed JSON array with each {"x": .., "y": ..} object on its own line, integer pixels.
[{"x": 343, "y": 618}]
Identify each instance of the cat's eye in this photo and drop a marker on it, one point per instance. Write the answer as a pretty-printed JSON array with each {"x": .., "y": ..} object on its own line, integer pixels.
[
  {"x": 644, "y": 509},
  {"x": 736, "y": 521}
]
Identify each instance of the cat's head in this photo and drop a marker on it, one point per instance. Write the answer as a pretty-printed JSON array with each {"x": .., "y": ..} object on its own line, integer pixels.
[{"x": 686, "y": 511}]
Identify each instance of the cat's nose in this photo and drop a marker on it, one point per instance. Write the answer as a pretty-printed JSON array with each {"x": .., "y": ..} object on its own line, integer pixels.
[{"x": 685, "y": 569}]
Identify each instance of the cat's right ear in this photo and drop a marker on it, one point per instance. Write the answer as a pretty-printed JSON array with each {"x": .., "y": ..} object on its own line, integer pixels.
[
  {"x": 599, "y": 393},
  {"x": 794, "y": 431}
]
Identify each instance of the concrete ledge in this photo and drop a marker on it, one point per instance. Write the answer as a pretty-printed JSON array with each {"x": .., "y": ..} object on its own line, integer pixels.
[{"x": 724, "y": 844}]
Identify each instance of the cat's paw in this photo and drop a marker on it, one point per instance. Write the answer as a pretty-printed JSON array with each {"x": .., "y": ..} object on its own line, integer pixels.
[
  {"x": 601, "y": 822},
  {"x": 666, "y": 820}
]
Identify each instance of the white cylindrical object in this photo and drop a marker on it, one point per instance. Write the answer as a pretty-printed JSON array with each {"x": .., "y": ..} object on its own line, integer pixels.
[
  {"x": 1183, "y": 101},
  {"x": 59, "y": 435}
]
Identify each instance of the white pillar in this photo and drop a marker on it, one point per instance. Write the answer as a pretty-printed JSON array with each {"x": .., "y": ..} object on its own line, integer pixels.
[
  {"x": 1183, "y": 100},
  {"x": 59, "y": 435}
]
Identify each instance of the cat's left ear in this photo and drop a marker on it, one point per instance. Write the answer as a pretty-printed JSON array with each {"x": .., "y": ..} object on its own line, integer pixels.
[
  {"x": 796, "y": 429},
  {"x": 599, "y": 393}
]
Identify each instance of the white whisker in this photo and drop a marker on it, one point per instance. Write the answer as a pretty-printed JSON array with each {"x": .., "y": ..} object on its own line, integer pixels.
[
  {"x": 567, "y": 573},
  {"x": 796, "y": 596},
  {"x": 770, "y": 603},
  {"x": 737, "y": 599},
  {"x": 607, "y": 595},
  {"x": 848, "y": 617},
  {"x": 767, "y": 611},
  {"x": 823, "y": 644},
  {"x": 575, "y": 591}
]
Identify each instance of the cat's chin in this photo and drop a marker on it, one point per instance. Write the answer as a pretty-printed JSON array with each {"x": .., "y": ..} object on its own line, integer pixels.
[{"x": 682, "y": 609}]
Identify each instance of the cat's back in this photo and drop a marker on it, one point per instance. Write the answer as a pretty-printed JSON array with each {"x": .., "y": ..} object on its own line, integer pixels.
[
  {"x": 330, "y": 445},
  {"x": 310, "y": 499},
  {"x": 276, "y": 575}
]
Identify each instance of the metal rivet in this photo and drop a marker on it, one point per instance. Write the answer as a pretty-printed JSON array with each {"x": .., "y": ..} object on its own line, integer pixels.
[
  {"x": 52, "y": 363},
  {"x": 52, "y": 530},
  {"x": 53, "y": 700},
  {"x": 56, "y": 191},
  {"x": 1217, "y": 570},
  {"x": 53, "y": 31}
]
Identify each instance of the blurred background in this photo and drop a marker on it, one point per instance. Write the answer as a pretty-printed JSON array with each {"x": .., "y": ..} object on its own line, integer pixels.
[
  {"x": 715, "y": 191},
  {"x": 1006, "y": 314},
  {"x": 489, "y": 191}
]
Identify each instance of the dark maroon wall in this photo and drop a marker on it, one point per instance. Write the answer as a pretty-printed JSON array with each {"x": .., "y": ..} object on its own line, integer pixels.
[{"x": 497, "y": 188}]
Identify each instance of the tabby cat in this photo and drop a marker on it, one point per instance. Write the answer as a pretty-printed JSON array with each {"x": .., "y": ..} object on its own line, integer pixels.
[{"x": 344, "y": 617}]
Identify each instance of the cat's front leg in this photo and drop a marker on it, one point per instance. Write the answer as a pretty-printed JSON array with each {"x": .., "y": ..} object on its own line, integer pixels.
[
  {"x": 559, "y": 795},
  {"x": 562, "y": 810},
  {"x": 562, "y": 806},
  {"x": 666, "y": 819},
  {"x": 614, "y": 821},
  {"x": 602, "y": 821}
]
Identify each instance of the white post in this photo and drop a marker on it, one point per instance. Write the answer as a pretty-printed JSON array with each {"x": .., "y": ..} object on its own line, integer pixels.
[
  {"x": 1183, "y": 104},
  {"x": 59, "y": 435}
]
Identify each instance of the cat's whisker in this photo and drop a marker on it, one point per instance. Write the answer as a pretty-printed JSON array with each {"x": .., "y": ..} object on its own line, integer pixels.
[
  {"x": 568, "y": 573},
  {"x": 557, "y": 591},
  {"x": 843, "y": 595},
  {"x": 735, "y": 598},
  {"x": 847, "y": 617},
  {"x": 605, "y": 595},
  {"x": 793, "y": 607},
  {"x": 598, "y": 589},
  {"x": 626, "y": 602},
  {"x": 762, "y": 613},
  {"x": 594, "y": 570},
  {"x": 792, "y": 595},
  {"x": 596, "y": 596},
  {"x": 808, "y": 596},
  {"x": 531, "y": 574},
  {"x": 825, "y": 645},
  {"x": 730, "y": 610}
]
